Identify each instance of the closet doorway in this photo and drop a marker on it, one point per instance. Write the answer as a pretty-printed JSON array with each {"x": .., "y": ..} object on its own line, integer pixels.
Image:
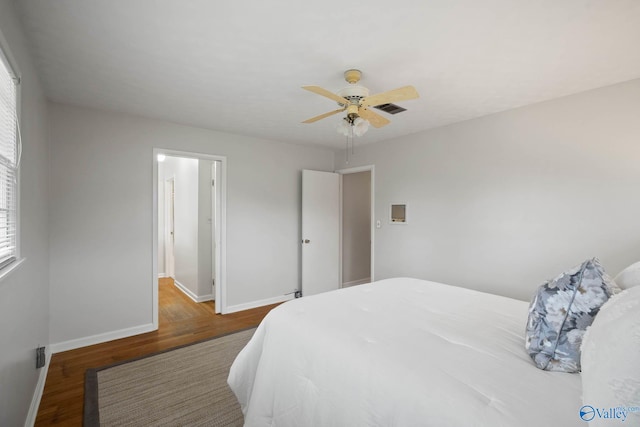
[
  {"x": 189, "y": 225},
  {"x": 357, "y": 232}
]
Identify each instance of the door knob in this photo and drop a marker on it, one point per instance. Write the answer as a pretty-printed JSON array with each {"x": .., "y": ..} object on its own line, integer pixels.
[{"x": 306, "y": 241}]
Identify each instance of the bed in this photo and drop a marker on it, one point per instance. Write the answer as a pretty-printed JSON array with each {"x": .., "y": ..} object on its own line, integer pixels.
[{"x": 399, "y": 352}]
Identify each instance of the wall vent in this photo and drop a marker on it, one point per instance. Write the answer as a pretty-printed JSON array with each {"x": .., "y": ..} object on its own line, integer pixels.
[
  {"x": 391, "y": 108},
  {"x": 40, "y": 357}
]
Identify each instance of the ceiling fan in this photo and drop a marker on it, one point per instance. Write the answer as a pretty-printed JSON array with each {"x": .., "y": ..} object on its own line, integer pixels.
[{"x": 356, "y": 102}]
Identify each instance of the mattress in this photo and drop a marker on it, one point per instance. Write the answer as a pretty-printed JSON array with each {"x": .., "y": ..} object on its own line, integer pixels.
[{"x": 399, "y": 352}]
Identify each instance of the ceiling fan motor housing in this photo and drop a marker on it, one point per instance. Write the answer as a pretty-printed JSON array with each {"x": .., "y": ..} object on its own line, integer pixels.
[{"x": 354, "y": 93}]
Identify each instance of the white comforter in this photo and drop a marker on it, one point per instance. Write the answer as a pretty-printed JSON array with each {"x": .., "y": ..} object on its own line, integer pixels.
[{"x": 399, "y": 352}]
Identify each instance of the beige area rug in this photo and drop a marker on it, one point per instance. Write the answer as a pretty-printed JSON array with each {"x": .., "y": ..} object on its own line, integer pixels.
[{"x": 186, "y": 386}]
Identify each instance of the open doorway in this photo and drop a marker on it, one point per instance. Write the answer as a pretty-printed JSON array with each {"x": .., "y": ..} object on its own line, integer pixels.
[
  {"x": 189, "y": 225},
  {"x": 357, "y": 233}
]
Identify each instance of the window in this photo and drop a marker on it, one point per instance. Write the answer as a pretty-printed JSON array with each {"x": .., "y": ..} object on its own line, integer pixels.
[{"x": 9, "y": 160}]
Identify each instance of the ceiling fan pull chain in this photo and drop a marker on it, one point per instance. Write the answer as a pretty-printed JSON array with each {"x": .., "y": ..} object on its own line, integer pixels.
[
  {"x": 353, "y": 151},
  {"x": 347, "y": 148},
  {"x": 350, "y": 137}
]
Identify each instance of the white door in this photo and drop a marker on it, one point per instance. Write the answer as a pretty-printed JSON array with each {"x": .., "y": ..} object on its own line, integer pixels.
[
  {"x": 169, "y": 197},
  {"x": 320, "y": 232}
]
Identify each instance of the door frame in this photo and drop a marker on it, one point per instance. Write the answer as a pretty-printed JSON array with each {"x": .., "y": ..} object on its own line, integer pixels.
[
  {"x": 221, "y": 290},
  {"x": 216, "y": 231},
  {"x": 347, "y": 171}
]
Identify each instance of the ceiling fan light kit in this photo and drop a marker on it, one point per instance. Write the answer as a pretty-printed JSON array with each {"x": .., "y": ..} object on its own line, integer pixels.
[
  {"x": 360, "y": 126},
  {"x": 357, "y": 125}
]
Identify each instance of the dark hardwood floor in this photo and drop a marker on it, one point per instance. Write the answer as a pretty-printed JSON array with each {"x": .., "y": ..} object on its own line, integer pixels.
[{"x": 181, "y": 321}]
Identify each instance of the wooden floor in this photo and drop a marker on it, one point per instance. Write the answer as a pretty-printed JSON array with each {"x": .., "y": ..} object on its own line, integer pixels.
[{"x": 181, "y": 321}]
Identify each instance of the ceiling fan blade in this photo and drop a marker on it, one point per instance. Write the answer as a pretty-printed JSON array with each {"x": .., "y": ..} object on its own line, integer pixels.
[
  {"x": 322, "y": 116},
  {"x": 320, "y": 91},
  {"x": 400, "y": 94},
  {"x": 376, "y": 120}
]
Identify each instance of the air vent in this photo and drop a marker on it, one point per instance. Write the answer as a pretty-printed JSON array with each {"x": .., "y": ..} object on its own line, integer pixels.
[{"x": 391, "y": 108}]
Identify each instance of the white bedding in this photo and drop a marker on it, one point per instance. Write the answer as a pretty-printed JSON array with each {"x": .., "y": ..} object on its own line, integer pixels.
[{"x": 399, "y": 352}]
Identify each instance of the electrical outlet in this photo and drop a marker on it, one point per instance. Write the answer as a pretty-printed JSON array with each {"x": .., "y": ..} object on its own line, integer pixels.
[
  {"x": 298, "y": 294},
  {"x": 40, "y": 357}
]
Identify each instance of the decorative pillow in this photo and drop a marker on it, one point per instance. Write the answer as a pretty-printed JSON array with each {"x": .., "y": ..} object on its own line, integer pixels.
[
  {"x": 611, "y": 362},
  {"x": 629, "y": 277},
  {"x": 561, "y": 311}
]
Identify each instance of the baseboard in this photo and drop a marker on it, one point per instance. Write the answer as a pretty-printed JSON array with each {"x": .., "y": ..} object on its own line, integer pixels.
[
  {"x": 356, "y": 282},
  {"x": 260, "y": 303},
  {"x": 194, "y": 297},
  {"x": 100, "y": 338},
  {"x": 37, "y": 394},
  {"x": 204, "y": 298},
  {"x": 161, "y": 275}
]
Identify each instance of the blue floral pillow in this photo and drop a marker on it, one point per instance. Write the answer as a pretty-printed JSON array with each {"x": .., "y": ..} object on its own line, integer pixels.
[{"x": 560, "y": 313}]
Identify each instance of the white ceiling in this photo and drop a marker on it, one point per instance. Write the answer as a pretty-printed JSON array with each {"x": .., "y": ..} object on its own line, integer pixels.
[{"x": 237, "y": 66}]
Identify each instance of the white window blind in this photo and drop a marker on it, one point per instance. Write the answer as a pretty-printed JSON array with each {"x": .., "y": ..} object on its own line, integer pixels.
[{"x": 9, "y": 159}]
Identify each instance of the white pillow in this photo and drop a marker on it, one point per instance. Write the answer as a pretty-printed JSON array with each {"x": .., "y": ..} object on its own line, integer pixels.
[
  {"x": 629, "y": 277},
  {"x": 611, "y": 363}
]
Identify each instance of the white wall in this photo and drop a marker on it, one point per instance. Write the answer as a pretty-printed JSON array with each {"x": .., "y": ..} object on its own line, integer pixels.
[
  {"x": 162, "y": 269},
  {"x": 356, "y": 226},
  {"x": 185, "y": 172},
  {"x": 101, "y": 208},
  {"x": 503, "y": 202},
  {"x": 24, "y": 295}
]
